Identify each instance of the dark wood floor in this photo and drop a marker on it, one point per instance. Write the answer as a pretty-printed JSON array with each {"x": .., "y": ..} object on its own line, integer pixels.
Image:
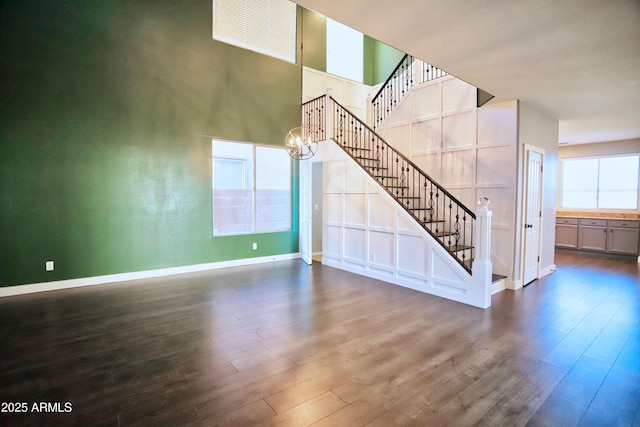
[{"x": 289, "y": 345}]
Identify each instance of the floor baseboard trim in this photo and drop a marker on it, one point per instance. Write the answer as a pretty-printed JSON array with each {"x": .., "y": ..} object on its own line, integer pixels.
[
  {"x": 123, "y": 277},
  {"x": 545, "y": 271},
  {"x": 498, "y": 286}
]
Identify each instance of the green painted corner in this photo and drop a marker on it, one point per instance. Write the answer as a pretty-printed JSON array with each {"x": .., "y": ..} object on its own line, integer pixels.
[{"x": 380, "y": 60}]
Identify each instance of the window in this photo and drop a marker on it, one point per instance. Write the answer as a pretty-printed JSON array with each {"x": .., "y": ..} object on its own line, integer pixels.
[
  {"x": 344, "y": 51},
  {"x": 251, "y": 188},
  {"x": 265, "y": 26},
  {"x": 600, "y": 183}
]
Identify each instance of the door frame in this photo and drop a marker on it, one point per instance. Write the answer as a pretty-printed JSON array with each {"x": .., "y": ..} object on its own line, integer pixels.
[
  {"x": 527, "y": 149},
  {"x": 305, "y": 232}
]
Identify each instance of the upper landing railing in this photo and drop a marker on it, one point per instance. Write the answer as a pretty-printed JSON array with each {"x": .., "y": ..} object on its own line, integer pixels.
[{"x": 408, "y": 72}]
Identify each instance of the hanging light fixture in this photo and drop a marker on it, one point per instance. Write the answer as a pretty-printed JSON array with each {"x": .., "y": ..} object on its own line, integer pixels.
[
  {"x": 299, "y": 141},
  {"x": 300, "y": 144}
]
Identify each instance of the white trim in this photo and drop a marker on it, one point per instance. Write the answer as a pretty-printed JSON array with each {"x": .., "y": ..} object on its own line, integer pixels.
[
  {"x": 514, "y": 285},
  {"x": 498, "y": 286},
  {"x": 545, "y": 271},
  {"x": 123, "y": 277}
]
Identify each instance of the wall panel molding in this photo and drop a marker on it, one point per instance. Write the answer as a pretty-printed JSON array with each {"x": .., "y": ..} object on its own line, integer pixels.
[{"x": 390, "y": 246}]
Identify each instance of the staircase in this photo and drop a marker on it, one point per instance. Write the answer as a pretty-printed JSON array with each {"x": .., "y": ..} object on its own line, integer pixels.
[{"x": 434, "y": 208}]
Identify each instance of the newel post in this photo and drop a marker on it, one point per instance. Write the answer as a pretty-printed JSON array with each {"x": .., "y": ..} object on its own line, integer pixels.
[
  {"x": 482, "y": 267},
  {"x": 371, "y": 118}
]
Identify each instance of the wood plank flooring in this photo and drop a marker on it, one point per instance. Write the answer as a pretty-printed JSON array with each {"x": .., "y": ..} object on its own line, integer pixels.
[{"x": 284, "y": 344}]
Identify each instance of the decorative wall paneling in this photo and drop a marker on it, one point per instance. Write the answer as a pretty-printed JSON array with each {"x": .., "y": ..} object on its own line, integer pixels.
[
  {"x": 366, "y": 232},
  {"x": 349, "y": 93},
  {"x": 471, "y": 151}
]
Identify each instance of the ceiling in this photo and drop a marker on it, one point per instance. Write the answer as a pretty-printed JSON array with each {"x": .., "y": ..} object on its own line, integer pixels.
[{"x": 575, "y": 60}]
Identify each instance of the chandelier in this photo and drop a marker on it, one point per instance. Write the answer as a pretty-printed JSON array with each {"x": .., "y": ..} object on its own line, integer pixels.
[{"x": 300, "y": 144}]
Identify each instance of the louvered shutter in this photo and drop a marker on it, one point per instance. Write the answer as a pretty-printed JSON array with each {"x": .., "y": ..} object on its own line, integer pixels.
[{"x": 265, "y": 26}]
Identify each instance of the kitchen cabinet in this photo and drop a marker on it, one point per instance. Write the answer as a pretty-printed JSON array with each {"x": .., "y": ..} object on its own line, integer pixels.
[
  {"x": 592, "y": 234},
  {"x": 601, "y": 235},
  {"x": 623, "y": 237},
  {"x": 567, "y": 232}
]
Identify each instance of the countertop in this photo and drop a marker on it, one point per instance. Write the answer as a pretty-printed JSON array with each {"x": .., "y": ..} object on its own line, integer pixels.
[{"x": 598, "y": 215}]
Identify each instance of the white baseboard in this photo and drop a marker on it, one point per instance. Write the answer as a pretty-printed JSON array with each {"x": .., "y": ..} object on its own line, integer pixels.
[
  {"x": 122, "y": 277},
  {"x": 498, "y": 286},
  {"x": 545, "y": 271},
  {"x": 514, "y": 284}
]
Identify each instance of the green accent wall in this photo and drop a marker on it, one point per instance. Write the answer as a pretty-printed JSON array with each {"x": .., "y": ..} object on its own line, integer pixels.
[
  {"x": 314, "y": 40},
  {"x": 107, "y": 113},
  {"x": 367, "y": 62},
  {"x": 380, "y": 60}
]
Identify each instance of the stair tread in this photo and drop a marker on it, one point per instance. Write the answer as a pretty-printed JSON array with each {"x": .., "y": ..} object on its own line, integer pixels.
[
  {"x": 356, "y": 148},
  {"x": 452, "y": 248},
  {"x": 496, "y": 278},
  {"x": 445, "y": 233}
]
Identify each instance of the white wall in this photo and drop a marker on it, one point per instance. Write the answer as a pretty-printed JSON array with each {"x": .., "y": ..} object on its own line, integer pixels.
[
  {"x": 471, "y": 151},
  {"x": 316, "y": 206},
  {"x": 349, "y": 93},
  {"x": 539, "y": 130}
]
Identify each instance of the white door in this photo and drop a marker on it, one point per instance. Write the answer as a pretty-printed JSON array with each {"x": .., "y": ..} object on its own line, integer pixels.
[
  {"x": 533, "y": 214},
  {"x": 304, "y": 237},
  {"x": 317, "y": 206}
]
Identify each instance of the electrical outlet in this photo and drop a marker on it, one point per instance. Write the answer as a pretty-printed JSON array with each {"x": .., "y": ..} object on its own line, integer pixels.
[
  {"x": 48, "y": 266},
  {"x": 255, "y": 246}
]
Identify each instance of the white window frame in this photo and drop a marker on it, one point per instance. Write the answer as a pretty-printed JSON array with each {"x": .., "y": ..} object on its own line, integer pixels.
[
  {"x": 598, "y": 206},
  {"x": 251, "y": 177},
  {"x": 263, "y": 26}
]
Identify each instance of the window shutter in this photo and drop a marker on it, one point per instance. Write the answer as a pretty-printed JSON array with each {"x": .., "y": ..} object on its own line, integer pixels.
[{"x": 265, "y": 26}]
